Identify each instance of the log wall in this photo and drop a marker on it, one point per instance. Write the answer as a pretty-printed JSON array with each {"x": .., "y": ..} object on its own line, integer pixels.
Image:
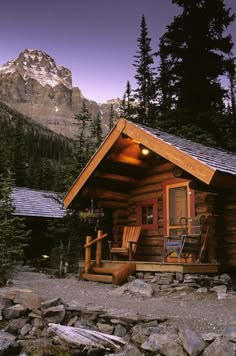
[{"x": 229, "y": 237}]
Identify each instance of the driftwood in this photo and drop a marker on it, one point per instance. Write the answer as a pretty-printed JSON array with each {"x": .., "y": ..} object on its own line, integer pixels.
[{"x": 85, "y": 337}]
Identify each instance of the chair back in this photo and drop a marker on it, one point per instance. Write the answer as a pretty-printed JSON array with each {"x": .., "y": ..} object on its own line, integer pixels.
[
  {"x": 193, "y": 225},
  {"x": 130, "y": 233}
]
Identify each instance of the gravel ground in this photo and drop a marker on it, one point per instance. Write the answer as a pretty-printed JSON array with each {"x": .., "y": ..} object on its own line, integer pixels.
[{"x": 202, "y": 311}]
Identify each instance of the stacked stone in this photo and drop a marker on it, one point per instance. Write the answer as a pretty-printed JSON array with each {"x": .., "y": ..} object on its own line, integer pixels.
[{"x": 25, "y": 317}]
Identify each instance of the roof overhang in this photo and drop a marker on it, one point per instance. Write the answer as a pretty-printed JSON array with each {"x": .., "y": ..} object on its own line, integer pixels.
[{"x": 188, "y": 163}]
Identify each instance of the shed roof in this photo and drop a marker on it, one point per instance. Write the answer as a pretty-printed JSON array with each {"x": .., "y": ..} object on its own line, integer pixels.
[{"x": 37, "y": 203}]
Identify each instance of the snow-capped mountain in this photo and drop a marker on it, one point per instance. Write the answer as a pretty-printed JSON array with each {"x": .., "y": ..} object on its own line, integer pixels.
[
  {"x": 36, "y": 86},
  {"x": 35, "y": 64}
]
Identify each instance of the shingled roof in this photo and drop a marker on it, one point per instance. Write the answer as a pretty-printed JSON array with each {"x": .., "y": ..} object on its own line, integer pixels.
[
  {"x": 218, "y": 159},
  {"x": 37, "y": 203},
  {"x": 207, "y": 164}
]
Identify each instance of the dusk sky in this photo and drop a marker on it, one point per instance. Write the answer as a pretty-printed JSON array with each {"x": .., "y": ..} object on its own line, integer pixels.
[{"x": 95, "y": 39}]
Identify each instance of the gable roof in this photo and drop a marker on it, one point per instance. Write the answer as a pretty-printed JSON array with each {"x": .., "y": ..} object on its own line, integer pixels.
[
  {"x": 37, "y": 203},
  {"x": 201, "y": 161}
]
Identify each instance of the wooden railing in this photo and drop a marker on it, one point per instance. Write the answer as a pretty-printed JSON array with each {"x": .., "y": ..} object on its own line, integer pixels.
[{"x": 88, "y": 250}]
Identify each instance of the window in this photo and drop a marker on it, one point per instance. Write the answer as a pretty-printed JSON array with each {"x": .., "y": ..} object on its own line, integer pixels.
[
  {"x": 178, "y": 201},
  {"x": 147, "y": 214}
]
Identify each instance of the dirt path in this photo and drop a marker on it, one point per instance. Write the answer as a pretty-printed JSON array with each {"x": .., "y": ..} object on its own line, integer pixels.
[{"x": 203, "y": 311}]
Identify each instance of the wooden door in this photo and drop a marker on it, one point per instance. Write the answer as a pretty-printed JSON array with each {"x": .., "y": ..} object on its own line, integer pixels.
[{"x": 177, "y": 206}]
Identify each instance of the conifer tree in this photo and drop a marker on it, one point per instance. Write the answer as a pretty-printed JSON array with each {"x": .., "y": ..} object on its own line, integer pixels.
[
  {"x": 145, "y": 78},
  {"x": 83, "y": 124},
  {"x": 20, "y": 155},
  {"x": 127, "y": 109},
  {"x": 111, "y": 117},
  {"x": 13, "y": 235},
  {"x": 96, "y": 132},
  {"x": 195, "y": 53}
]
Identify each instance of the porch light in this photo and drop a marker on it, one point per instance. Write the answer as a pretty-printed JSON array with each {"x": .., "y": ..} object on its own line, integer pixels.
[{"x": 145, "y": 151}]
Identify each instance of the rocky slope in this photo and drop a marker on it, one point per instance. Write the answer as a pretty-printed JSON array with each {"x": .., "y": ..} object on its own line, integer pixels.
[{"x": 36, "y": 86}]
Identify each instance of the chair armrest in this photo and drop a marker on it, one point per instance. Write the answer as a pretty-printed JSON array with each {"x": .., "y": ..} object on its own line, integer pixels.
[{"x": 132, "y": 242}]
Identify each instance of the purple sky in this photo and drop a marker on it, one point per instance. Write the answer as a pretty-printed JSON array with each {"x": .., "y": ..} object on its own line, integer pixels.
[{"x": 95, "y": 39}]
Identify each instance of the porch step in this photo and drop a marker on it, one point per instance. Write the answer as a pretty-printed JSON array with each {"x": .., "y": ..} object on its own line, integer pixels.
[
  {"x": 97, "y": 277},
  {"x": 117, "y": 276},
  {"x": 103, "y": 270}
]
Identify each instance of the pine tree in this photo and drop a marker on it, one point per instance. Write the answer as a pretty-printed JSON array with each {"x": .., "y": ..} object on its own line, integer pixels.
[
  {"x": 96, "y": 132},
  {"x": 13, "y": 235},
  {"x": 145, "y": 78},
  {"x": 83, "y": 124},
  {"x": 195, "y": 54},
  {"x": 111, "y": 117},
  {"x": 20, "y": 165},
  {"x": 127, "y": 108}
]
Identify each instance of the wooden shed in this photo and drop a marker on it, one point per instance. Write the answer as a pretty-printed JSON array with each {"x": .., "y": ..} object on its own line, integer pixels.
[
  {"x": 140, "y": 172},
  {"x": 38, "y": 208}
]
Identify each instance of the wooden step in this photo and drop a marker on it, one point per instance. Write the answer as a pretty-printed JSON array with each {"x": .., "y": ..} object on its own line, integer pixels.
[
  {"x": 97, "y": 277},
  {"x": 103, "y": 270}
]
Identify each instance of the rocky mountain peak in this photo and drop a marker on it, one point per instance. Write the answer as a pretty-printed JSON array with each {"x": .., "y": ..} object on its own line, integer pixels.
[{"x": 38, "y": 65}]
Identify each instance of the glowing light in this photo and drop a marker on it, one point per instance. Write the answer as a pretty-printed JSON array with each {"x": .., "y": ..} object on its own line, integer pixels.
[{"x": 145, "y": 151}]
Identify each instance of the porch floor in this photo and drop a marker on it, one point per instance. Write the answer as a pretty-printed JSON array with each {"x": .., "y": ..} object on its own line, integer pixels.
[{"x": 164, "y": 266}]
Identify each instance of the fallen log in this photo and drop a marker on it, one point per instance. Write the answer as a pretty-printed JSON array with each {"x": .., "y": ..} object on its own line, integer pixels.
[{"x": 84, "y": 337}]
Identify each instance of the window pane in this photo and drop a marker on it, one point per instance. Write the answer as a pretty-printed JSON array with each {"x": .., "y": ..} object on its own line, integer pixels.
[
  {"x": 147, "y": 215},
  {"x": 177, "y": 204}
]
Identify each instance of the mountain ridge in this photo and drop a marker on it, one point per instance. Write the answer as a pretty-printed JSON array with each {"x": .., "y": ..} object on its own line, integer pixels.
[{"x": 36, "y": 86}]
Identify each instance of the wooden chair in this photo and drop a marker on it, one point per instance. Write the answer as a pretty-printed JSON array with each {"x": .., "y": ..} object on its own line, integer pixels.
[
  {"x": 129, "y": 243},
  {"x": 189, "y": 242}
]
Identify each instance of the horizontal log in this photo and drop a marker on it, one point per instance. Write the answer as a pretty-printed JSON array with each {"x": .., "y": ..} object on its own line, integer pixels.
[
  {"x": 159, "y": 178},
  {"x": 145, "y": 196},
  {"x": 206, "y": 198},
  {"x": 230, "y": 197},
  {"x": 207, "y": 209},
  {"x": 105, "y": 194},
  {"x": 120, "y": 213},
  {"x": 128, "y": 160},
  {"x": 146, "y": 189},
  {"x": 230, "y": 206},
  {"x": 116, "y": 177},
  {"x": 121, "y": 274},
  {"x": 161, "y": 168},
  {"x": 152, "y": 251},
  {"x": 111, "y": 204}
]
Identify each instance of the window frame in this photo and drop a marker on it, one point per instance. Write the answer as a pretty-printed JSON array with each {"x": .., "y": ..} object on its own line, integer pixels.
[{"x": 139, "y": 205}]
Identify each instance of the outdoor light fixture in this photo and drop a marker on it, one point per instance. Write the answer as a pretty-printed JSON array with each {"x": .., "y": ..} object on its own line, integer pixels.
[{"x": 145, "y": 151}]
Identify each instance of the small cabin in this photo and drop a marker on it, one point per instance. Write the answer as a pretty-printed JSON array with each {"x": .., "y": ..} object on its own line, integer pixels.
[
  {"x": 148, "y": 177},
  {"x": 38, "y": 208}
]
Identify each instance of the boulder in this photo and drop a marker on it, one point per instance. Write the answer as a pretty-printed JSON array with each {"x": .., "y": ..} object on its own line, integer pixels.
[
  {"x": 8, "y": 345},
  {"x": 163, "y": 344},
  {"x": 192, "y": 343},
  {"x": 50, "y": 303},
  {"x": 5, "y": 302},
  {"x": 29, "y": 300},
  {"x": 230, "y": 332},
  {"x": 105, "y": 328},
  {"x": 26, "y": 329},
  {"x": 14, "y": 312},
  {"x": 139, "y": 287},
  {"x": 54, "y": 314},
  {"x": 221, "y": 346},
  {"x": 15, "y": 325}
]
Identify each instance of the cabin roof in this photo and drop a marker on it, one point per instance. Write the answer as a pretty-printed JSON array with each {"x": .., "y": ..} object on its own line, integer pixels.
[
  {"x": 218, "y": 159},
  {"x": 207, "y": 164},
  {"x": 37, "y": 203}
]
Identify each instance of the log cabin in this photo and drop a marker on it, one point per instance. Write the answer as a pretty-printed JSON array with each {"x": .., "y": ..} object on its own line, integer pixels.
[{"x": 148, "y": 177}]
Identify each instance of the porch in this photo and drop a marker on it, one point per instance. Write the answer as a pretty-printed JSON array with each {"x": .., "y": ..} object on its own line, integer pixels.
[{"x": 105, "y": 272}]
